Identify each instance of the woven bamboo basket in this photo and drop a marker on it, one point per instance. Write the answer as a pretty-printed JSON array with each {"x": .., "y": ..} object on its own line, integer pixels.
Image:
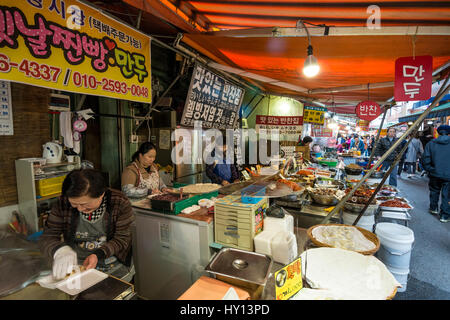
[{"x": 369, "y": 235}]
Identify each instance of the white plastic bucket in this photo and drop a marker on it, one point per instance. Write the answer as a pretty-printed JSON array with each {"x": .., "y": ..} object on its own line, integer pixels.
[
  {"x": 401, "y": 275},
  {"x": 396, "y": 244},
  {"x": 365, "y": 222}
]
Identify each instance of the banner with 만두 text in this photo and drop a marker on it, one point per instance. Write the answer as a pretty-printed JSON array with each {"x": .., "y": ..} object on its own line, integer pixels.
[{"x": 68, "y": 45}]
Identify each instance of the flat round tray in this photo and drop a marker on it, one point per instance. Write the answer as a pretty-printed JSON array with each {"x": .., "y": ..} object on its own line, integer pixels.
[{"x": 369, "y": 235}]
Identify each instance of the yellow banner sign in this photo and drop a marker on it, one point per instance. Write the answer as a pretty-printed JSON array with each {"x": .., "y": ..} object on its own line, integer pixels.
[
  {"x": 288, "y": 280},
  {"x": 68, "y": 45},
  {"x": 314, "y": 115}
]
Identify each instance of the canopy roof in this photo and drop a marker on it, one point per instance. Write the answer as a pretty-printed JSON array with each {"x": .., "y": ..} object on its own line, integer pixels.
[{"x": 259, "y": 41}]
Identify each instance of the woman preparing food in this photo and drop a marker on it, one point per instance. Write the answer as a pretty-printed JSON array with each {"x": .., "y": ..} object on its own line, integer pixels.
[
  {"x": 141, "y": 177},
  {"x": 88, "y": 226}
]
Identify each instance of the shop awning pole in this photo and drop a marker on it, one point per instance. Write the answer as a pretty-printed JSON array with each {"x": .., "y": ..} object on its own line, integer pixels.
[
  {"x": 391, "y": 149},
  {"x": 380, "y": 185},
  {"x": 386, "y": 108}
]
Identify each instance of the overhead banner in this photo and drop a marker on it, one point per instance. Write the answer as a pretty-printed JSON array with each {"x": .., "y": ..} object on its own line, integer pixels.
[
  {"x": 413, "y": 78},
  {"x": 314, "y": 115},
  {"x": 290, "y": 127},
  {"x": 70, "y": 46},
  {"x": 212, "y": 100}
]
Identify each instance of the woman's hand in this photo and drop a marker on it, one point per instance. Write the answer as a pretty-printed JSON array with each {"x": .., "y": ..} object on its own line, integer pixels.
[
  {"x": 90, "y": 262},
  {"x": 225, "y": 182}
]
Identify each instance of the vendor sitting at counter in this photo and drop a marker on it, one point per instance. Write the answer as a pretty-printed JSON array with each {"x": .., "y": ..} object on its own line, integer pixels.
[
  {"x": 358, "y": 144},
  {"x": 221, "y": 172},
  {"x": 88, "y": 226},
  {"x": 141, "y": 177}
]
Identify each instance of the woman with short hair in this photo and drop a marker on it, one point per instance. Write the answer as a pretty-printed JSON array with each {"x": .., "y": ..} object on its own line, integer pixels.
[{"x": 88, "y": 226}]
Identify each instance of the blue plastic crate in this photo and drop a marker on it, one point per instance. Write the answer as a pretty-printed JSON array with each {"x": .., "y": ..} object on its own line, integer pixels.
[{"x": 253, "y": 194}]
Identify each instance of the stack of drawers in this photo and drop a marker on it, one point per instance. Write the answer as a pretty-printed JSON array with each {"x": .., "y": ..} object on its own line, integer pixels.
[{"x": 236, "y": 223}]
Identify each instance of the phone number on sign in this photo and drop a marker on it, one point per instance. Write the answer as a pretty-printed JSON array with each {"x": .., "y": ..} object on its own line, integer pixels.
[
  {"x": 91, "y": 82},
  {"x": 50, "y": 73}
]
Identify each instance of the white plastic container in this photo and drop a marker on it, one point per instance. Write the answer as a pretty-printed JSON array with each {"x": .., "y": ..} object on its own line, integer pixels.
[
  {"x": 396, "y": 244},
  {"x": 279, "y": 224},
  {"x": 365, "y": 222},
  {"x": 401, "y": 275},
  {"x": 284, "y": 247},
  {"x": 263, "y": 241}
]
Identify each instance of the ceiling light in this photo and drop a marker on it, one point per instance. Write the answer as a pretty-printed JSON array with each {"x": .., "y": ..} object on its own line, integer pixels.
[{"x": 311, "y": 68}]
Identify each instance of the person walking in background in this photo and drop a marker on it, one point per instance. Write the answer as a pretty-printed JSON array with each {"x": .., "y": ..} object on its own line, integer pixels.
[
  {"x": 401, "y": 165},
  {"x": 413, "y": 153},
  {"x": 436, "y": 161},
  {"x": 383, "y": 146}
]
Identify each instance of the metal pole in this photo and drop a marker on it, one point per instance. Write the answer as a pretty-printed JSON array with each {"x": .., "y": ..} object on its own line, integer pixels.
[
  {"x": 385, "y": 155},
  {"x": 386, "y": 175},
  {"x": 378, "y": 138}
]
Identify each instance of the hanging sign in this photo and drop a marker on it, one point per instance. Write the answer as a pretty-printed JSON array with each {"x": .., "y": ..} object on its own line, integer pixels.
[
  {"x": 363, "y": 125},
  {"x": 68, "y": 45},
  {"x": 288, "y": 280},
  {"x": 289, "y": 127},
  {"x": 368, "y": 110},
  {"x": 6, "y": 117},
  {"x": 321, "y": 132},
  {"x": 212, "y": 100},
  {"x": 413, "y": 78},
  {"x": 314, "y": 114}
]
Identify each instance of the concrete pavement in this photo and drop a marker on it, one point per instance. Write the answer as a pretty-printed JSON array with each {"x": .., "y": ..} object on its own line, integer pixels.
[{"x": 430, "y": 258}]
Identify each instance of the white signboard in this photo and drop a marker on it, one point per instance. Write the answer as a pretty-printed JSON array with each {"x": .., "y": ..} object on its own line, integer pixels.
[{"x": 6, "y": 117}]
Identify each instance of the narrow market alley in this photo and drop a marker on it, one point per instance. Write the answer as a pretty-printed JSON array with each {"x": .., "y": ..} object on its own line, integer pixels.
[{"x": 430, "y": 258}]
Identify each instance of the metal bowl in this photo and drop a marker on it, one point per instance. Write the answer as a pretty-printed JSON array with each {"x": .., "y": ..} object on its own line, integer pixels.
[
  {"x": 357, "y": 208},
  {"x": 324, "y": 200},
  {"x": 376, "y": 174}
]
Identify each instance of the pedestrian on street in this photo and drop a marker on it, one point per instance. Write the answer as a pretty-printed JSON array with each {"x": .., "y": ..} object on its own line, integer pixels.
[
  {"x": 383, "y": 146},
  {"x": 436, "y": 162},
  {"x": 401, "y": 165},
  {"x": 413, "y": 153}
]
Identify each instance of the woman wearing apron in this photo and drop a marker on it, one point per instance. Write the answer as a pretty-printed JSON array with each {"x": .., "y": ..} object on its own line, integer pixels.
[
  {"x": 141, "y": 177},
  {"x": 88, "y": 226}
]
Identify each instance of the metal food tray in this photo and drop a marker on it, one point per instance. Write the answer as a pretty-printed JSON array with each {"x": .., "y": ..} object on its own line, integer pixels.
[
  {"x": 165, "y": 204},
  {"x": 396, "y": 208}
]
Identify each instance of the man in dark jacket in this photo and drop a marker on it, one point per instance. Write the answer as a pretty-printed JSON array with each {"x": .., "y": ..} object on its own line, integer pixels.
[
  {"x": 383, "y": 146},
  {"x": 435, "y": 161}
]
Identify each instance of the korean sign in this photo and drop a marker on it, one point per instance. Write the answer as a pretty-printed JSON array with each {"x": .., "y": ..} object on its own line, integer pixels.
[
  {"x": 68, "y": 45},
  {"x": 6, "y": 117},
  {"x": 288, "y": 280},
  {"x": 212, "y": 100},
  {"x": 413, "y": 78},
  {"x": 314, "y": 114},
  {"x": 368, "y": 110},
  {"x": 321, "y": 132},
  {"x": 290, "y": 127}
]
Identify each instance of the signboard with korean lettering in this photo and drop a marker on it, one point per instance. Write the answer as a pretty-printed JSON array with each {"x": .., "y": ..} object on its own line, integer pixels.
[
  {"x": 363, "y": 125},
  {"x": 413, "y": 78},
  {"x": 6, "y": 117},
  {"x": 290, "y": 127},
  {"x": 314, "y": 115},
  {"x": 318, "y": 131},
  {"x": 368, "y": 110},
  {"x": 70, "y": 46},
  {"x": 212, "y": 100}
]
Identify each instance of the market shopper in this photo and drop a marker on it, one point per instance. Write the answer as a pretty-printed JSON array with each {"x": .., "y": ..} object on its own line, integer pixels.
[
  {"x": 220, "y": 171},
  {"x": 141, "y": 177},
  {"x": 413, "y": 153},
  {"x": 436, "y": 162},
  {"x": 383, "y": 146},
  {"x": 358, "y": 144},
  {"x": 88, "y": 226},
  {"x": 401, "y": 164}
]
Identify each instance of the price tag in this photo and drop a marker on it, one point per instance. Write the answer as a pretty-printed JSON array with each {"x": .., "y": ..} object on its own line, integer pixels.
[{"x": 288, "y": 280}]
